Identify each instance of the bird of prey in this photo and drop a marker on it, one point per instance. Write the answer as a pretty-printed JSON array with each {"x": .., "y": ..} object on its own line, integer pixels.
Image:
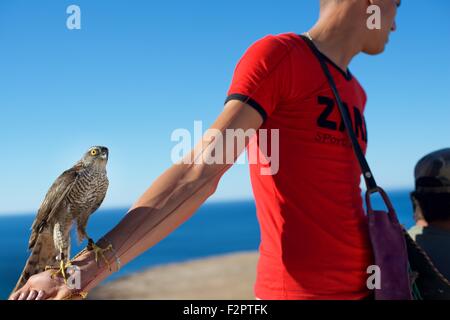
[{"x": 73, "y": 197}]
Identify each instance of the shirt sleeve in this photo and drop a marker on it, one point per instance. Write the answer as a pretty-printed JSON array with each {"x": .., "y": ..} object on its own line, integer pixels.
[{"x": 261, "y": 77}]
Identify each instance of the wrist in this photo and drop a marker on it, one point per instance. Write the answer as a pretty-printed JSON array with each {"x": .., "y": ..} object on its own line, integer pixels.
[
  {"x": 92, "y": 268},
  {"x": 86, "y": 270}
]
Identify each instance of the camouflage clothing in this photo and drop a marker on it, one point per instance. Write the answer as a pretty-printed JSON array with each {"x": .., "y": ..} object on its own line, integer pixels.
[{"x": 436, "y": 243}]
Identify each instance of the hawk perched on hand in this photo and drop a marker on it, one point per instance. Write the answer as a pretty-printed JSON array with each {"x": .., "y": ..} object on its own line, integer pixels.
[{"x": 74, "y": 196}]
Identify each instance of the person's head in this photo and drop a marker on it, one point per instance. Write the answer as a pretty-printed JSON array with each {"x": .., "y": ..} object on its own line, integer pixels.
[
  {"x": 356, "y": 15},
  {"x": 431, "y": 197}
]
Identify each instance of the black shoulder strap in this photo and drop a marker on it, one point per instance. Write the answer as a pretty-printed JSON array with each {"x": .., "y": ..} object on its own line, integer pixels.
[{"x": 367, "y": 173}]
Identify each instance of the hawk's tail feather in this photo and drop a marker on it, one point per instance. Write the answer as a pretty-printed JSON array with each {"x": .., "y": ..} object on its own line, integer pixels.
[{"x": 43, "y": 253}]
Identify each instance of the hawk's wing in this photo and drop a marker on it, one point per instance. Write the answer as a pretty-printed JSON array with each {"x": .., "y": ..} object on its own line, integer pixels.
[{"x": 52, "y": 201}]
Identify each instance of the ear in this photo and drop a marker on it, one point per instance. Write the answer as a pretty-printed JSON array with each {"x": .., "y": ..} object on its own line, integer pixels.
[{"x": 418, "y": 214}]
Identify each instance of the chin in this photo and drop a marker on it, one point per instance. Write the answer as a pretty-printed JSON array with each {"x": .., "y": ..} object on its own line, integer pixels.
[{"x": 374, "y": 50}]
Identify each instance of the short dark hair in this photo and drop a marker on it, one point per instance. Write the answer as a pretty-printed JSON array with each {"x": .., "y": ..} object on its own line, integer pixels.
[{"x": 434, "y": 206}]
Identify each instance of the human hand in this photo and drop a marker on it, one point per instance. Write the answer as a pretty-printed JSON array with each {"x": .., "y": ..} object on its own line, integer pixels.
[{"x": 45, "y": 286}]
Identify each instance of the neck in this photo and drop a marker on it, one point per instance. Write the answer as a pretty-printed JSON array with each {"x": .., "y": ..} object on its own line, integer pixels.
[
  {"x": 97, "y": 166},
  {"x": 331, "y": 35}
]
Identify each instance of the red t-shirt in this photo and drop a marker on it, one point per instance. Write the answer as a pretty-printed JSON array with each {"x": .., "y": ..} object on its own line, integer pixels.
[{"x": 314, "y": 235}]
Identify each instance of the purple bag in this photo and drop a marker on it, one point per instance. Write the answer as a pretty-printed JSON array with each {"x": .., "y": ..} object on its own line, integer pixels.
[
  {"x": 386, "y": 233},
  {"x": 389, "y": 247}
]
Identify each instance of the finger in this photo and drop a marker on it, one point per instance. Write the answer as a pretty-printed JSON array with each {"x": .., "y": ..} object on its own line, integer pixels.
[
  {"x": 40, "y": 295},
  {"x": 14, "y": 296},
  {"x": 32, "y": 295},
  {"x": 23, "y": 295}
]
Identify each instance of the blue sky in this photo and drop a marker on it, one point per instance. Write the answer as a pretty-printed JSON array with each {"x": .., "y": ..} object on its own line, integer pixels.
[{"x": 137, "y": 70}]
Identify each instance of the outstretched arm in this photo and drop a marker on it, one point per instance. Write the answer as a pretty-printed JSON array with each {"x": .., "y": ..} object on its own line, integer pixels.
[{"x": 171, "y": 200}]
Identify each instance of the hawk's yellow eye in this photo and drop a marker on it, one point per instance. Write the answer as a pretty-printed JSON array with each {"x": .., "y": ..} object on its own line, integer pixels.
[{"x": 93, "y": 152}]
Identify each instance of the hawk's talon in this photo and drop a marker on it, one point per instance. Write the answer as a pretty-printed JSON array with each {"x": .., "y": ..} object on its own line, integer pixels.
[
  {"x": 51, "y": 268},
  {"x": 98, "y": 251},
  {"x": 61, "y": 269},
  {"x": 79, "y": 294}
]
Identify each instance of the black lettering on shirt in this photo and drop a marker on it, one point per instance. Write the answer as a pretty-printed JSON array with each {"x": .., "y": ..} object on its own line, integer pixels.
[
  {"x": 359, "y": 124},
  {"x": 323, "y": 121}
]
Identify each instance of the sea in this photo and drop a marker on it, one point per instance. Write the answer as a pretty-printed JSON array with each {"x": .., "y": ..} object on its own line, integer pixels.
[{"x": 216, "y": 228}]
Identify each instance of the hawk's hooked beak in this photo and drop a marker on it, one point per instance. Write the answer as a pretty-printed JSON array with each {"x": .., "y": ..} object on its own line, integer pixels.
[{"x": 104, "y": 154}]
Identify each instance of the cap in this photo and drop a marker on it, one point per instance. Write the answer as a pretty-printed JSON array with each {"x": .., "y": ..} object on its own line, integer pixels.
[{"x": 432, "y": 172}]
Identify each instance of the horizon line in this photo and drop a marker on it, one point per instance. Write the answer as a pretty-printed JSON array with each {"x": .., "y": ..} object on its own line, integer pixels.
[
  {"x": 120, "y": 207},
  {"x": 26, "y": 212}
]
